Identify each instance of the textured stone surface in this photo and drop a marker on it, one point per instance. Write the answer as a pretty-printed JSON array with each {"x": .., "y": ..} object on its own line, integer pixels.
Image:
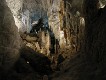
[
  {"x": 9, "y": 38},
  {"x": 79, "y": 35},
  {"x": 15, "y": 7},
  {"x": 90, "y": 64},
  {"x": 29, "y": 10}
]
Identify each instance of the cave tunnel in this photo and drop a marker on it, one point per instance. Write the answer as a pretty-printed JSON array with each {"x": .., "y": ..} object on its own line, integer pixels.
[{"x": 52, "y": 39}]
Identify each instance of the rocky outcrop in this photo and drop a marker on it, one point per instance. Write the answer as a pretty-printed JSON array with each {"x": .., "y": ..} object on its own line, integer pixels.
[{"x": 40, "y": 42}]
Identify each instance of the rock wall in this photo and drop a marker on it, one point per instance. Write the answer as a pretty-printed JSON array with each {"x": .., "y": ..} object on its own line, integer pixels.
[
  {"x": 16, "y": 7},
  {"x": 95, "y": 43},
  {"x": 89, "y": 64},
  {"x": 74, "y": 25},
  {"x": 9, "y": 38},
  {"x": 66, "y": 20}
]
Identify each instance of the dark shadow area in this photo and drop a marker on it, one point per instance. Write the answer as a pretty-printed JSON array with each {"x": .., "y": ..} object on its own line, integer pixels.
[
  {"x": 38, "y": 26},
  {"x": 37, "y": 61},
  {"x": 30, "y": 65}
]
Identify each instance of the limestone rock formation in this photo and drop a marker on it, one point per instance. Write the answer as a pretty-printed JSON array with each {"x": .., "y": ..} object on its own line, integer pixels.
[
  {"x": 90, "y": 62},
  {"x": 25, "y": 12},
  {"x": 70, "y": 40}
]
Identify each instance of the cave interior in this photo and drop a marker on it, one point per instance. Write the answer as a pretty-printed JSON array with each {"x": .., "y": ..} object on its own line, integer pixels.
[{"x": 52, "y": 39}]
